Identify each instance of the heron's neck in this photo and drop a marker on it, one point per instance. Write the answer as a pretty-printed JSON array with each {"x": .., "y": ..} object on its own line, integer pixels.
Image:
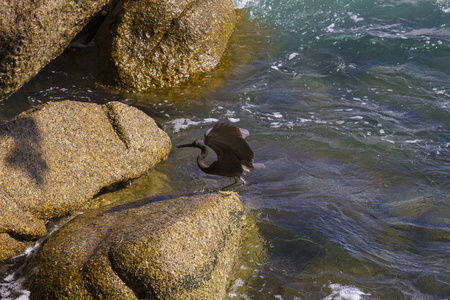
[{"x": 201, "y": 158}]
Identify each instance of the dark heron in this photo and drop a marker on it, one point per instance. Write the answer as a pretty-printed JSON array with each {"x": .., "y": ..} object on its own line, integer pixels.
[{"x": 234, "y": 155}]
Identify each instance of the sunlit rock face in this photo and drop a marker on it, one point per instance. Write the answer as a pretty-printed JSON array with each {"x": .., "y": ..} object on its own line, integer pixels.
[
  {"x": 33, "y": 32},
  {"x": 180, "y": 248},
  {"x": 57, "y": 156},
  {"x": 161, "y": 43}
]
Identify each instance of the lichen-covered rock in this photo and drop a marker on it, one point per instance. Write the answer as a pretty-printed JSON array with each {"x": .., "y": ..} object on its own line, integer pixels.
[
  {"x": 161, "y": 43},
  {"x": 56, "y": 157},
  {"x": 33, "y": 32},
  {"x": 182, "y": 248}
]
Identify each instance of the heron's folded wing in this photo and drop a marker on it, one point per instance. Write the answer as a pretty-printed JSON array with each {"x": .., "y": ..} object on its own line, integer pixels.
[{"x": 228, "y": 142}]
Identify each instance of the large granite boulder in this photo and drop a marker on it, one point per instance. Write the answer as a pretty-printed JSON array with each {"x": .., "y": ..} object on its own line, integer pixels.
[
  {"x": 33, "y": 32},
  {"x": 57, "y": 156},
  {"x": 182, "y": 248},
  {"x": 161, "y": 43}
]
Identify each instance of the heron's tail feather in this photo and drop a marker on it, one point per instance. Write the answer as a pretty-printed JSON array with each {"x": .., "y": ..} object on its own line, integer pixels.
[
  {"x": 244, "y": 132},
  {"x": 259, "y": 166}
]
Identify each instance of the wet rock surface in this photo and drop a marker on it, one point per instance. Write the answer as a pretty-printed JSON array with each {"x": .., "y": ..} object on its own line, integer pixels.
[
  {"x": 181, "y": 248},
  {"x": 33, "y": 32},
  {"x": 161, "y": 43},
  {"x": 57, "y": 156},
  {"x": 141, "y": 45}
]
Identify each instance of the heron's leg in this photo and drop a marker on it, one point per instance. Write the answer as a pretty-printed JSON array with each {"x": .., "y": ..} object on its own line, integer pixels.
[
  {"x": 243, "y": 181},
  {"x": 230, "y": 185}
]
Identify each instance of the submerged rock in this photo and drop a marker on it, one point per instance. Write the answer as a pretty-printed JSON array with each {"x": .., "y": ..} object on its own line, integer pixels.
[
  {"x": 182, "y": 248},
  {"x": 57, "y": 156},
  {"x": 33, "y": 32},
  {"x": 161, "y": 43}
]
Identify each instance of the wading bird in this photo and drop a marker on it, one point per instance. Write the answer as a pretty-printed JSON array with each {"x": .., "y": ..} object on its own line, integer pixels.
[{"x": 234, "y": 155}]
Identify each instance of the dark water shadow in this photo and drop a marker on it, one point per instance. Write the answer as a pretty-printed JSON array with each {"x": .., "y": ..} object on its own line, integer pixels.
[{"x": 26, "y": 154}]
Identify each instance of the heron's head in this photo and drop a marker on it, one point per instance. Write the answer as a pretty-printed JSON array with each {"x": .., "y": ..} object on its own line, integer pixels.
[{"x": 196, "y": 144}]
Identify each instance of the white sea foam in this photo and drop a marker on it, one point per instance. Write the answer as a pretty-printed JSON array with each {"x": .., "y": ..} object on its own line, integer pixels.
[
  {"x": 209, "y": 120},
  {"x": 238, "y": 4},
  {"x": 24, "y": 296},
  {"x": 233, "y": 290},
  {"x": 412, "y": 141},
  {"x": 388, "y": 140},
  {"x": 183, "y": 123},
  {"x": 439, "y": 91},
  {"x": 277, "y": 115},
  {"x": 343, "y": 292},
  {"x": 302, "y": 120},
  {"x": 444, "y": 5},
  {"x": 354, "y": 17},
  {"x": 238, "y": 282},
  {"x": 5, "y": 294},
  {"x": 13, "y": 286},
  {"x": 247, "y": 107},
  {"x": 292, "y": 55},
  {"x": 330, "y": 28},
  {"x": 234, "y": 120}
]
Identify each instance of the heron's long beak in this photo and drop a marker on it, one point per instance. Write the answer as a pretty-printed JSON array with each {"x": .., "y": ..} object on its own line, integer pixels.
[{"x": 185, "y": 145}]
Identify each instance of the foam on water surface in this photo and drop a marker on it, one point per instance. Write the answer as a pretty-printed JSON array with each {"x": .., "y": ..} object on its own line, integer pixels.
[
  {"x": 184, "y": 123},
  {"x": 238, "y": 4},
  {"x": 343, "y": 292},
  {"x": 11, "y": 286},
  {"x": 233, "y": 290}
]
